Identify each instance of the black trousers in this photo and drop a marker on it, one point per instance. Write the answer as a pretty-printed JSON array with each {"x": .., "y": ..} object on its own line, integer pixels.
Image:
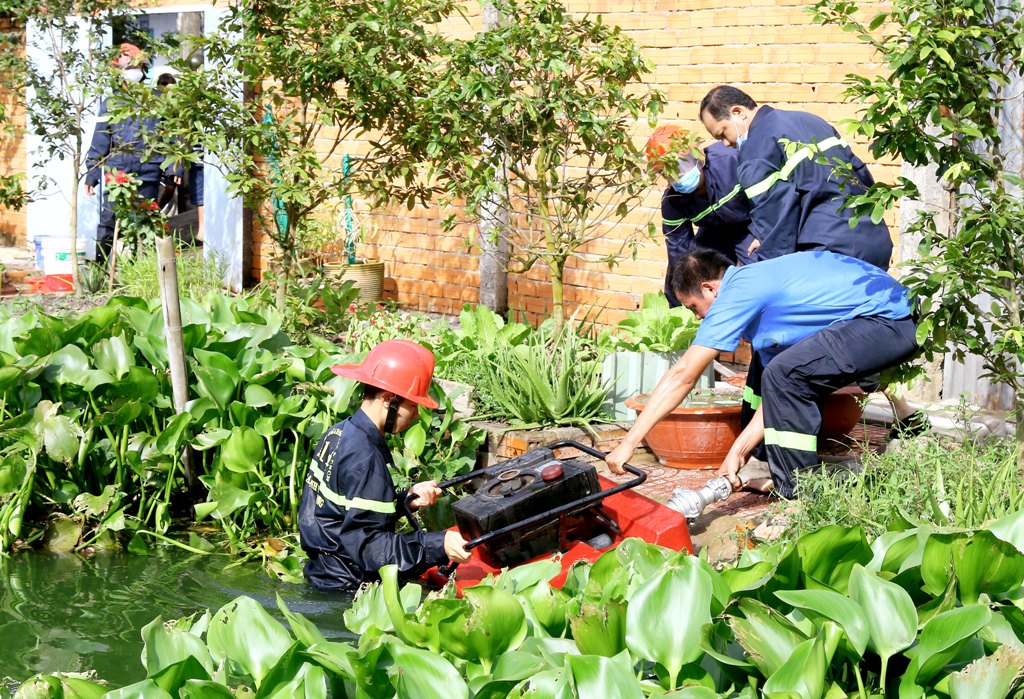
[
  {"x": 148, "y": 189},
  {"x": 794, "y": 384}
]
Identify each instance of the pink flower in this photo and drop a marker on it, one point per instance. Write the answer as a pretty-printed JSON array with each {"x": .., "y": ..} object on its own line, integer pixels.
[{"x": 351, "y": 308}]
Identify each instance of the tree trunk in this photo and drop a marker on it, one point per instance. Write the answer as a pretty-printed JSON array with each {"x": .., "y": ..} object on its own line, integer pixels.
[{"x": 557, "y": 294}]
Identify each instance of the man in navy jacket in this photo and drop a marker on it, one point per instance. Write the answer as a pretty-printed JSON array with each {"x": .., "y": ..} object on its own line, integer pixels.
[
  {"x": 796, "y": 201},
  {"x": 121, "y": 146}
]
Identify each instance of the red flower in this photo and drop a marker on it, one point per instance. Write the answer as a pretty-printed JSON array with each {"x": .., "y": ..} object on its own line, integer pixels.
[
  {"x": 122, "y": 177},
  {"x": 351, "y": 308},
  {"x": 107, "y": 177},
  {"x": 150, "y": 205},
  {"x": 167, "y": 226}
]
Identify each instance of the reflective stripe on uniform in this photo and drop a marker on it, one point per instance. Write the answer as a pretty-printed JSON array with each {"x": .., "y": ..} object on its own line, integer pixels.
[
  {"x": 751, "y": 398},
  {"x": 790, "y": 440},
  {"x": 384, "y": 508},
  {"x": 786, "y": 170},
  {"x": 706, "y": 212}
]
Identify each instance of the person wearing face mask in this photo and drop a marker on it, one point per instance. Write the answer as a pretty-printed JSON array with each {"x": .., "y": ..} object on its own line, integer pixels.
[
  {"x": 121, "y": 146},
  {"x": 703, "y": 205},
  {"x": 796, "y": 202},
  {"x": 349, "y": 505}
]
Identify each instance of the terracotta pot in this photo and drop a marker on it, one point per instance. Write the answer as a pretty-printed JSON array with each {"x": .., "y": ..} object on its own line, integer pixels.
[
  {"x": 841, "y": 412},
  {"x": 692, "y": 437}
]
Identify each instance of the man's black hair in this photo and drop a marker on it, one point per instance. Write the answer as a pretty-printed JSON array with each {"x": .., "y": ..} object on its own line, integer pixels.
[
  {"x": 721, "y": 99},
  {"x": 371, "y": 392},
  {"x": 692, "y": 270}
]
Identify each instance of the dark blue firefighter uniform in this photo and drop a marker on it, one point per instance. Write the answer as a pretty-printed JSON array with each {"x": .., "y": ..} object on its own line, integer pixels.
[
  {"x": 121, "y": 146},
  {"x": 796, "y": 202},
  {"x": 349, "y": 510},
  {"x": 720, "y": 214},
  {"x": 818, "y": 321}
]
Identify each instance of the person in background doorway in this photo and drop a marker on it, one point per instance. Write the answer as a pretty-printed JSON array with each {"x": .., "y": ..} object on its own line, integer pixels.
[
  {"x": 796, "y": 199},
  {"x": 349, "y": 505},
  {"x": 703, "y": 205},
  {"x": 121, "y": 146},
  {"x": 817, "y": 320}
]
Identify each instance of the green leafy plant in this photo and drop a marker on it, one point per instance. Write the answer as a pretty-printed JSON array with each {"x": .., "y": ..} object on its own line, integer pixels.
[
  {"x": 656, "y": 327},
  {"x": 551, "y": 378},
  {"x": 461, "y": 352}
]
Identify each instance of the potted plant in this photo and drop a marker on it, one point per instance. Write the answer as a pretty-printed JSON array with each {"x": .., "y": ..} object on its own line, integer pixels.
[
  {"x": 696, "y": 434},
  {"x": 366, "y": 274},
  {"x": 645, "y": 345}
]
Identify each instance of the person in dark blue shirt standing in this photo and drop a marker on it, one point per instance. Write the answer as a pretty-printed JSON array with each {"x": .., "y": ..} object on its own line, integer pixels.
[
  {"x": 121, "y": 146},
  {"x": 349, "y": 506},
  {"x": 703, "y": 205},
  {"x": 820, "y": 321},
  {"x": 796, "y": 201}
]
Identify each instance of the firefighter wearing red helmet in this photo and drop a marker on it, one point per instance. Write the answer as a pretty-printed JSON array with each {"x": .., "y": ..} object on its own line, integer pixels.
[
  {"x": 702, "y": 206},
  {"x": 349, "y": 503}
]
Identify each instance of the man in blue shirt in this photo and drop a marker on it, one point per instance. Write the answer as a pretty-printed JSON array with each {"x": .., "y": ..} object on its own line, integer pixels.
[
  {"x": 703, "y": 204},
  {"x": 817, "y": 320}
]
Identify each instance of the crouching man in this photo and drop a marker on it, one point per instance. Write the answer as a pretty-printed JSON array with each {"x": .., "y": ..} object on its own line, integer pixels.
[
  {"x": 818, "y": 320},
  {"x": 349, "y": 504}
]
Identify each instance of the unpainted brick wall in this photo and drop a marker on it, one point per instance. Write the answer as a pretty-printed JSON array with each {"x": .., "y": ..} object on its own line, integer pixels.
[{"x": 12, "y": 157}]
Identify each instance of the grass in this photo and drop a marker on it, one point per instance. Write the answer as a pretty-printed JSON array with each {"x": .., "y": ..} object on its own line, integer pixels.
[
  {"x": 198, "y": 275},
  {"x": 934, "y": 480}
]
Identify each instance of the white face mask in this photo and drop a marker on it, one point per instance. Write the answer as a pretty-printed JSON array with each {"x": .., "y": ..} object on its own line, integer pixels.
[{"x": 133, "y": 75}]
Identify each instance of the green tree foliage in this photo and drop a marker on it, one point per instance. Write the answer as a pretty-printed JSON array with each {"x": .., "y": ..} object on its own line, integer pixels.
[
  {"x": 948, "y": 70},
  {"x": 537, "y": 116},
  {"x": 316, "y": 74}
]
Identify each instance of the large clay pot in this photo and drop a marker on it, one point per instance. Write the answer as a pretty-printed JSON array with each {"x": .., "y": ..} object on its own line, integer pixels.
[
  {"x": 841, "y": 412},
  {"x": 693, "y": 437}
]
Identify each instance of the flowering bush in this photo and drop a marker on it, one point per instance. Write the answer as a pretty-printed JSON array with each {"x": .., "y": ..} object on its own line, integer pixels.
[{"x": 139, "y": 221}]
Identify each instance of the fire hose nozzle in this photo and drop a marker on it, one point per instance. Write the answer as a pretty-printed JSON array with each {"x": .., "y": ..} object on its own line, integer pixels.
[{"x": 691, "y": 503}]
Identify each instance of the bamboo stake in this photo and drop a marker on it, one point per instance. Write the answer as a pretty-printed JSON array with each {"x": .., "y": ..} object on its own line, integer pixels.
[{"x": 168, "y": 274}]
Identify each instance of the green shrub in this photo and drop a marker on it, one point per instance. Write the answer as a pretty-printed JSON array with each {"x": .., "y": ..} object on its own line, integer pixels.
[{"x": 937, "y": 480}]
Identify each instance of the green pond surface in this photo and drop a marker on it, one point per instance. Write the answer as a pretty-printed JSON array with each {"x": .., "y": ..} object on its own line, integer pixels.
[{"x": 73, "y": 614}]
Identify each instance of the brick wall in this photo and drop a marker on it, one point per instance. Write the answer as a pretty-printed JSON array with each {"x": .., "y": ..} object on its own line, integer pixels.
[{"x": 12, "y": 158}]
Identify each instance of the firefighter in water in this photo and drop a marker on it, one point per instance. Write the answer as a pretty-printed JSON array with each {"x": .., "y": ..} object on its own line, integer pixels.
[
  {"x": 349, "y": 503},
  {"x": 703, "y": 204}
]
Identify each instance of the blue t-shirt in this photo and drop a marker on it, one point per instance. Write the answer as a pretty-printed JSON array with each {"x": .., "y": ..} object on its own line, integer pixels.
[{"x": 776, "y": 303}]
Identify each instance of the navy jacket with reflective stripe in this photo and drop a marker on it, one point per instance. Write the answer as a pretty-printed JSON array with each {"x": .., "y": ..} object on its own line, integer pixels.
[
  {"x": 726, "y": 228},
  {"x": 349, "y": 510},
  {"x": 804, "y": 210},
  {"x": 121, "y": 146}
]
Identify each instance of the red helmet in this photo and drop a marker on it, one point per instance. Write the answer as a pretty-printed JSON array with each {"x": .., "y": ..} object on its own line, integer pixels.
[
  {"x": 402, "y": 367},
  {"x": 664, "y": 140}
]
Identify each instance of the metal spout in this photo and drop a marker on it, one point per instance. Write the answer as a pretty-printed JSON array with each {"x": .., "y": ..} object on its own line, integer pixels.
[{"x": 691, "y": 503}]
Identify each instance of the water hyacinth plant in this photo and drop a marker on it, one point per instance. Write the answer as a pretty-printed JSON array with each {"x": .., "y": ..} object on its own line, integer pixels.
[{"x": 918, "y": 612}]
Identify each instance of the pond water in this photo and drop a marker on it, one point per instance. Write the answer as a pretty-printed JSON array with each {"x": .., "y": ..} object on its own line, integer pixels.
[{"x": 73, "y": 614}]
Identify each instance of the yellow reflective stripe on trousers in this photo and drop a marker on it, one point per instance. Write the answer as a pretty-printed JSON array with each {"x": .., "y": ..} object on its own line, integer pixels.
[
  {"x": 384, "y": 508},
  {"x": 786, "y": 170},
  {"x": 706, "y": 212},
  {"x": 752, "y": 398},
  {"x": 790, "y": 440}
]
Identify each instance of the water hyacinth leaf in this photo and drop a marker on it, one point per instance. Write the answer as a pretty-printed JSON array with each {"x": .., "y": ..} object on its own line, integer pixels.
[
  {"x": 981, "y": 562},
  {"x": 218, "y": 361},
  {"x": 828, "y": 555},
  {"x": 243, "y": 631},
  {"x": 67, "y": 365},
  {"x": 146, "y": 689},
  {"x": 243, "y": 451},
  {"x": 114, "y": 355},
  {"x": 91, "y": 325},
  {"x": 493, "y": 623},
  {"x": 171, "y": 678},
  {"x": 747, "y": 578},
  {"x": 61, "y": 436},
  {"x": 666, "y": 617},
  {"x": 889, "y": 612},
  {"x": 944, "y": 635},
  {"x": 294, "y": 676},
  {"x": 691, "y": 693},
  {"x": 802, "y": 675},
  {"x": 303, "y": 629},
  {"x": 600, "y": 628},
  {"x": 422, "y": 674},
  {"x": 257, "y": 396},
  {"x": 77, "y": 688},
  {"x": 171, "y": 439},
  {"x": 199, "y": 689},
  {"x": 992, "y": 677},
  {"x": 597, "y": 677},
  {"x": 163, "y": 647},
  {"x": 1010, "y": 529},
  {"x": 526, "y": 576},
  {"x": 62, "y": 534},
  {"x": 215, "y": 384},
  {"x": 835, "y": 607},
  {"x": 547, "y": 605},
  {"x": 12, "y": 475},
  {"x": 768, "y": 637}
]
